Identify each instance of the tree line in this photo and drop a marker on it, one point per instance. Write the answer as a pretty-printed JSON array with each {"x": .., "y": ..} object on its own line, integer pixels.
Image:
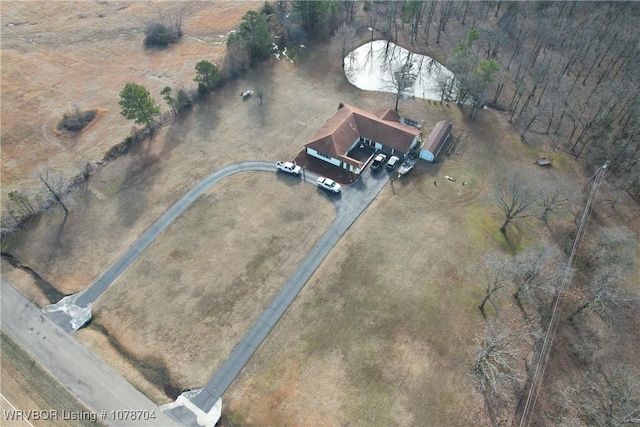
[
  {"x": 568, "y": 70},
  {"x": 565, "y": 70}
]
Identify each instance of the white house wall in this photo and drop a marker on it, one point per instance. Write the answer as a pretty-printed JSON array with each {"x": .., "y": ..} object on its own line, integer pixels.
[{"x": 325, "y": 158}]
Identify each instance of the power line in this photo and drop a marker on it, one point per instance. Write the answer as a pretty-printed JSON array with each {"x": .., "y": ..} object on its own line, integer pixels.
[{"x": 543, "y": 357}]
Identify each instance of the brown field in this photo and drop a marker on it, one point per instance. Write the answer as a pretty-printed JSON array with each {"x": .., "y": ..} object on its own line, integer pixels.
[
  {"x": 59, "y": 54},
  {"x": 383, "y": 332},
  {"x": 28, "y": 386},
  {"x": 199, "y": 287}
]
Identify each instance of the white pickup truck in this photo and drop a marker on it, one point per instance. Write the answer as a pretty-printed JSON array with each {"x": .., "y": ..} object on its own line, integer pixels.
[{"x": 289, "y": 167}]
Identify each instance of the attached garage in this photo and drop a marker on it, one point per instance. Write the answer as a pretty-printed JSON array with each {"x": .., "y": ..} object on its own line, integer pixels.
[{"x": 436, "y": 141}]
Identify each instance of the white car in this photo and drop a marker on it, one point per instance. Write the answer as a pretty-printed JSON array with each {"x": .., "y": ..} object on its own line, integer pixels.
[
  {"x": 289, "y": 167},
  {"x": 246, "y": 94},
  {"x": 393, "y": 161},
  {"x": 328, "y": 184}
]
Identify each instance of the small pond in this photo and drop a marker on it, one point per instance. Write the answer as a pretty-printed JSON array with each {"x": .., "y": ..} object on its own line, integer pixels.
[{"x": 371, "y": 66}]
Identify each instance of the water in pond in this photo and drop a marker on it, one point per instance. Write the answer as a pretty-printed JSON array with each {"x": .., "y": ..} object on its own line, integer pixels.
[{"x": 371, "y": 66}]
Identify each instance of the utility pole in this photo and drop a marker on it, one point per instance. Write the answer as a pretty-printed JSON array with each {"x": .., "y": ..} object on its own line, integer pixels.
[{"x": 541, "y": 361}]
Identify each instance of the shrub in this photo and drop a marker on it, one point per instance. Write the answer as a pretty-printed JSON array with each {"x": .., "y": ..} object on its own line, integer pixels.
[
  {"x": 76, "y": 120},
  {"x": 183, "y": 99},
  {"x": 158, "y": 34},
  {"x": 268, "y": 8}
]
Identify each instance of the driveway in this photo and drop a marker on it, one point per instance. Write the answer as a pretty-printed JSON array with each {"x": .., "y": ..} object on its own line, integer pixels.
[
  {"x": 198, "y": 407},
  {"x": 72, "y": 312},
  {"x": 350, "y": 204}
]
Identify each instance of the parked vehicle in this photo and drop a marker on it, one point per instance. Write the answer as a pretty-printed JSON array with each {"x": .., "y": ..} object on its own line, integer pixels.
[
  {"x": 393, "y": 161},
  {"x": 378, "y": 162},
  {"x": 407, "y": 165},
  {"x": 289, "y": 167},
  {"x": 246, "y": 93},
  {"x": 328, "y": 184}
]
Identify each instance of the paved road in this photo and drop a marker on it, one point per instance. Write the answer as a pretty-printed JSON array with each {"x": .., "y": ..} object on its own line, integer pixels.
[
  {"x": 90, "y": 379},
  {"x": 350, "y": 204}
]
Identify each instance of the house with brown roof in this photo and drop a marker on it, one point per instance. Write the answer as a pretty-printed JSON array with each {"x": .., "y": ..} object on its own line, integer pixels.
[{"x": 352, "y": 126}]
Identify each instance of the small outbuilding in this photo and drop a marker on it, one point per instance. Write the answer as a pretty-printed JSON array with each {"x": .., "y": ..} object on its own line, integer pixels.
[
  {"x": 543, "y": 161},
  {"x": 437, "y": 139}
]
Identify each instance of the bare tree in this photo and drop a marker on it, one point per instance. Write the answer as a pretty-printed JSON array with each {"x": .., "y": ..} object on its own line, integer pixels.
[
  {"x": 606, "y": 294},
  {"x": 536, "y": 269},
  {"x": 496, "y": 272},
  {"x": 344, "y": 41},
  {"x": 372, "y": 18},
  {"x": 403, "y": 78},
  {"x": 183, "y": 99},
  {"x": 236, "y": 60},
  {"x": 517, "y": 197},
  {"x": 429, "y": 11},
  {"x": 297, "y": 38},
  {"x": 551, "y": 201},
  {"x": 611, "y": 246},
  {"x": 495, "y": 363},
  {"x": 54, "y": 183},
  {"x": 350, "y": 8},
  {"x": 610, "y": 398},
  {"x": 446, "y": 9},
  {"x": 412, "y": 12}
]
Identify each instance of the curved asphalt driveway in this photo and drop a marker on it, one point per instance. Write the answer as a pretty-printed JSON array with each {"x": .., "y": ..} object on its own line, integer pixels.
[
  {"x": 349, "y": 205},
  {"x": 64, "y": 312}
]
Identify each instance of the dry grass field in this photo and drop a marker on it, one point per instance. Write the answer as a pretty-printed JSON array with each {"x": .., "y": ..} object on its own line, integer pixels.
[
  {"x": 28, "y": 386},
  {"x": 59, "y": 54},
  {"x": 383, "y": 332},
  {"x": 199, "y": 287}
]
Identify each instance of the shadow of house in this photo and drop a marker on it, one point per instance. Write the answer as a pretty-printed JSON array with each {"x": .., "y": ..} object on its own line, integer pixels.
[{"x": 352, "y": 136}]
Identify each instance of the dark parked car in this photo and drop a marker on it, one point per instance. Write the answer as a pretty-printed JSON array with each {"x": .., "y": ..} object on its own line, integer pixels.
[{"x": 378, "y": 162}]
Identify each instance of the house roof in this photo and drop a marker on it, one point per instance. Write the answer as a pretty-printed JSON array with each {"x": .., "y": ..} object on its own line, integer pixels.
[
  {"x": 437, "y": 138},
  {"x": 337, "y": 136},
  {"x": 389, "y": 115}
]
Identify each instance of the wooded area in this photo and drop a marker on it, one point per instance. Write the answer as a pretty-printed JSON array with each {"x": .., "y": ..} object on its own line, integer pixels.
[{"x": 566, "y": 70}]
